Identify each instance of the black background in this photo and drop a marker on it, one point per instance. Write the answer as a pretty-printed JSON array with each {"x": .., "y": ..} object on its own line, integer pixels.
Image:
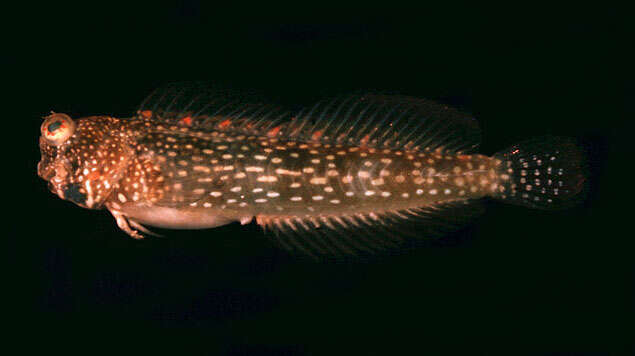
[{"x": 516, "y": 279}]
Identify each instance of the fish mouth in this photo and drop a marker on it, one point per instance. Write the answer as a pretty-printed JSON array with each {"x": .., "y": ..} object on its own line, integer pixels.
[
  {"x": 45, "y": 171},
  {"x": 60, "y": 183},
  {"x": 55, "y": 190},
  {"x": 56, "y": 176},
  {"x": 57, "y": 187}
]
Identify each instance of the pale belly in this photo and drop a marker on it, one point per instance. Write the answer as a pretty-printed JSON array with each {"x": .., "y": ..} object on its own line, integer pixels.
[{"x": 179, "y": 218}]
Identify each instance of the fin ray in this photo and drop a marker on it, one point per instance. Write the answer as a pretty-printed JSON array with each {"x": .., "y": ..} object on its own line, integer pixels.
[
  {"x": 368, "y": 233},
  {"x": 205, "y": 106},
  {"x": 377, "y": 121}
]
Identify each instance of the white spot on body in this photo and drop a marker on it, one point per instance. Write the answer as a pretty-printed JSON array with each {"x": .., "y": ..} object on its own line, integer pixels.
[
  {"x": 318, "y": 180},
  {"x": 379, "y": 181},
  {"x": 201, "y": 169},
  {"x": 268, "y": 179},
  {"x": 282, "y": 171}
]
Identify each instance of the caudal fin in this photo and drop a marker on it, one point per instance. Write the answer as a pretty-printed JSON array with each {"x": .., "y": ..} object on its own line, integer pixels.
[{"x": 543, "y": 173}]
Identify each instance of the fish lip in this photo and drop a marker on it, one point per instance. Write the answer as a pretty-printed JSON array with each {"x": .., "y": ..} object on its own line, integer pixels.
[
  {"x": 52, "y": 188},
  {"x": 45, "y": 172},
  {"x": 57, "y": 188},
  {"x": 55, "y": 175}
]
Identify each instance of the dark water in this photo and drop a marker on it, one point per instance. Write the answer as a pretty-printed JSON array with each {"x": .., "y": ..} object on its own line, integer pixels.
[{"x": 516, "y": 279}]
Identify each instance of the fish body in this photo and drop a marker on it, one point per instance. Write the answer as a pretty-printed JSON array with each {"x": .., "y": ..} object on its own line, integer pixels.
[{"x": 319, "y": 179}]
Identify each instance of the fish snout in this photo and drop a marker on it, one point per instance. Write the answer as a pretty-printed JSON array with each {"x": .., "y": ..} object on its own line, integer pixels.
[
  {"x": 45, "y": 171},
  {"x": 56, "y": 174}
]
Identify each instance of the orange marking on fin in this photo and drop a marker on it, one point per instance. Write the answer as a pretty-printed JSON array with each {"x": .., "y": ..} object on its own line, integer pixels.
[
  {"x": 224, "y": 124},
  {"x": 261, "y": 220},
  {"x": 274, "y": 131},
  {"x": 463, "y": 157},
  {"x": 364, "y": 140},
  {"x": 92, "y": 175},
  {"x": 186, "y": 120},
  {"x": 146, "y": 114},
  {"x": 316, "y": 135}
]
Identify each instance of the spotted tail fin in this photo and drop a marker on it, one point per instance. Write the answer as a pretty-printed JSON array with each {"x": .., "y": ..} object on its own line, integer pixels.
[{"x": 542, "y": 173}]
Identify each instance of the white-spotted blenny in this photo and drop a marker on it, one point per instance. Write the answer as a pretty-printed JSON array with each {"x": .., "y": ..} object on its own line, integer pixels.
[{"x": 352, "y": 175}]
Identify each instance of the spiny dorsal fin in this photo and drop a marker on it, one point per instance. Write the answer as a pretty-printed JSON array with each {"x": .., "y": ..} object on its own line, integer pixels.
[
  {"x": 378, "y": 121},
  {"x": 367, "y": 234},
  {"x": 203, "y": 107}
]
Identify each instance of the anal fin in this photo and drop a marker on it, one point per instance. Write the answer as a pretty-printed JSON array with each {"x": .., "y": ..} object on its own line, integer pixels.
[{"x": 367, "y": 234}]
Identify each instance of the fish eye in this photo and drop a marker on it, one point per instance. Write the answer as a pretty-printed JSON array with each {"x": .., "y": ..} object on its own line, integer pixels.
[{"x": 57, "y": 128}]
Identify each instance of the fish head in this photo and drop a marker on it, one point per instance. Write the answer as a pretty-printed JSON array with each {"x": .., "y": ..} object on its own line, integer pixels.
[{"x": 82, "y": 160}]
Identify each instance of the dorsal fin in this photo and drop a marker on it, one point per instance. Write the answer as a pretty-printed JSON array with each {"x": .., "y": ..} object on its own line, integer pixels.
[
  {"x": 378, "y": 121},
  {"x": 204, "y": 107},
  {"x": 385, "y": 121},
  {"x": 367, "y": 234}
]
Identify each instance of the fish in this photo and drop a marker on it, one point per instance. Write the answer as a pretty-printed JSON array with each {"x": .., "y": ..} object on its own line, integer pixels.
[{"x": 351, "y": 175}]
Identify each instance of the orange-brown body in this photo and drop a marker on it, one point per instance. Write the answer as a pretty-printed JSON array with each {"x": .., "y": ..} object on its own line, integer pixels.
[{"x": 185, "y": 170}]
